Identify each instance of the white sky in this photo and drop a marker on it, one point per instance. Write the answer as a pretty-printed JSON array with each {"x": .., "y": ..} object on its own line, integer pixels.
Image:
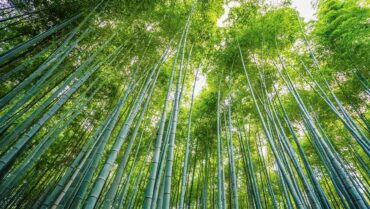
[
  {"x": 305, "y": 9},
  {"x": 222, "y": 21},
  {"x": 200, "y": 84}
]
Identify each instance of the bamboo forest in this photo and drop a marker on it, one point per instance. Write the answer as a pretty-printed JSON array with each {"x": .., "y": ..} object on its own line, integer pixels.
[{"x": 188, "y": 104}]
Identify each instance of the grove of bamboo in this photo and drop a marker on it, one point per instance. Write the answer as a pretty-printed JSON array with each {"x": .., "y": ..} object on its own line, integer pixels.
[{"x": 184, "y": 104}]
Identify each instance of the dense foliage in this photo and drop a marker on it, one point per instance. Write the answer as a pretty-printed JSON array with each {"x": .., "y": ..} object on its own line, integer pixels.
[{"x": 168, "y": 104}]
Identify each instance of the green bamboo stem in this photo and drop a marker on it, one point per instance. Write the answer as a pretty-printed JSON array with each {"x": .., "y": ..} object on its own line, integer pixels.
[
  {"x": 7, "y": 56},
  {"x": 187, "y": 149},
  {"x": 297, "y": 200}
]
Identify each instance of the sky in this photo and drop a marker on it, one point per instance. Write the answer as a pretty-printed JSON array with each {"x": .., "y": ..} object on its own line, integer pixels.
[
  {"x": 222, "y": 21},
  {"x": 305, "y": 9},
  {"x": 200, "y": 83}
]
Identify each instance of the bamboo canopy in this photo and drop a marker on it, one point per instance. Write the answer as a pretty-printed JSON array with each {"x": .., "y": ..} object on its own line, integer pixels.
[{"x": 184, "y": 104}]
